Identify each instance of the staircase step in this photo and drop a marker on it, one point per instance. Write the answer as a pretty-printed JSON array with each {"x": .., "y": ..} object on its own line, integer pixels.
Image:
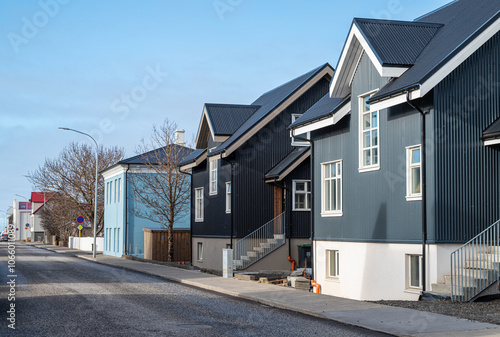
[
  {"x": 279, "y": 236},
  {"x": 440, "y": 288},
  {"x": 265, "y": 245},
  {"x": 252, "y": 253},
  {"x": 476, "y": 273},
  {"x": 259, "y": 249},
  {"x": 463, "y": 279},
  {"x": 483, "y": 264},
  {"x": 246, "y": 258},
  {"x": 272, "y": 241},
  {"x": 237, "y": 263}
]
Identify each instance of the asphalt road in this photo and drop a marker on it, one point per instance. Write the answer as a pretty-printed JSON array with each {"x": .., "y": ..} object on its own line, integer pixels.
[{"x": 58, "y": 295}]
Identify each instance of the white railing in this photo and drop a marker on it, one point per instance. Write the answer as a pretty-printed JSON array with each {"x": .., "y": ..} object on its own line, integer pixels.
[
  {"x": 260, "y": 242},
  {"x": 476, "y": 265}
]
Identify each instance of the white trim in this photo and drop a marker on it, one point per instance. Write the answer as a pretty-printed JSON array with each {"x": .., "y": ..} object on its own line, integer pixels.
[
  {"x": 348, "y": 49},
  {"x": 409, "y": 196},
  {"x": 444, "y": 71},
  {"x": 491, "y": 142},
  {"x": 141, "y": 169},
  {"x": 291, "y": 167},
  {"x": 297, "y": 142},
  {"x": 201, "y": 210},
  {"x": 112, "y": 172},
  {"x": 461, "y": 56},
  {"x": 341, "y": 113},
  {"x": 361, "y": 166},
  {"x": 277, "y": 110},
  {"x": 306, "y": 192},
  {"x": 197, "y": 162},
  {"x": 331, "y": 213},
  {"x": 213, "y": 167},
  {"x": 229, "y": 194}
]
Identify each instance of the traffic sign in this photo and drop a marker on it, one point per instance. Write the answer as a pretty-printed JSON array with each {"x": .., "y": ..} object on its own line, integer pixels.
[
  {"x": 80, "y": 227},
  {"x": 80, "y": 219},
  {"x": 27, "y": 225}
]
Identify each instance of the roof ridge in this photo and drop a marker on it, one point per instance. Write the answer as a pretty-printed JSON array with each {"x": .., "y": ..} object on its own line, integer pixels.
[
  {"x": 232, "y": 105},
  {"x": 399, "y": 22},
  {"x": 436, "y": 10}
]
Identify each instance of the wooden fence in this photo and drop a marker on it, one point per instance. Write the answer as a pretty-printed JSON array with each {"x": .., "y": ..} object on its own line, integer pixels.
[{"x": 156, "y": 245}]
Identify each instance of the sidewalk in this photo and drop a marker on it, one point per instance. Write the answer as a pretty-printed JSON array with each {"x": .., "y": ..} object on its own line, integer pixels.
[{"x": 386, "y": 319}]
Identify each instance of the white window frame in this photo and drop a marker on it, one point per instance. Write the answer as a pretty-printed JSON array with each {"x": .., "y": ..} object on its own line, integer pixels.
[
  {"x": 198, "y": 207},
  {"x": 409, "y": 272},
  {"x": 324, "y": 211},
  {"x": 199, "y": 251},
  {"x": 409, "y": 175},
  {"x": 335, "y": 274},
  {"x": 361, "y": 104},
  {"x": 296, "y": 142},
  {"x": 213, "y": 175},
  {"x": 307, "y": 194},
  {"x": 228, "y": 197}
]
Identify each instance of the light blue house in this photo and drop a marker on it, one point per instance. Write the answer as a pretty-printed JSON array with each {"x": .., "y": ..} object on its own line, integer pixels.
[{"x": 123, "y": 229}]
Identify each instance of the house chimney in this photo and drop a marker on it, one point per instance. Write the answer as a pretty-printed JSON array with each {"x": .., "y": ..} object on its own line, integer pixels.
[{"x": 179, "y": 137}]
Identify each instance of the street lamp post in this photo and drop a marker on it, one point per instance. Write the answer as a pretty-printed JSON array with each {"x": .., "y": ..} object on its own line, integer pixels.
[{"x": 96, "y": 180}]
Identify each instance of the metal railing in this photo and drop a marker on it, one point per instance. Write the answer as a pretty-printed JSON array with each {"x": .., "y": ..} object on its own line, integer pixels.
[
  {"x": 476, "y": 265},
  {"x": 260, "y": 242}
]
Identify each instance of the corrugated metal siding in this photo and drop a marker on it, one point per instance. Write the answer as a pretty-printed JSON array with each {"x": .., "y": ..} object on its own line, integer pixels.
[
  {"x": 374, "y": 203},
  {"x": 299, "y": 220},
  {"x": 253, "y": 197},
  {"x": 467, "y": 173}
]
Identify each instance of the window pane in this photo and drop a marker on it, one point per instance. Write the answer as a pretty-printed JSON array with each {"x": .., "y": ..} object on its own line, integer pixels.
[
  {"x": 366, "y": 106},
  {"x": 308, "y": 203},
  {"x": 415, "y": 180},
  {"x": 338, "y": 170},
  {"x": 300, "y": 201},
  {"x": 375, "y": 156},
  {"x": 327, "y": 171},
  {"x": 366, "y": 157},
  {"x": 327, "y": 196},
  {"x": 339, "y": 198},
  {"x": 299, "y": 186},
  {"x": 366, "y": 121},
  {"x": 415, "y": 158},
  {"x": 374, "y": 119},
  {"x": 366, "y": 139},
  {"x": 374, "y": 137},
  {"x": 415, "y": 271},
  {"x": 334, "y": 195}
]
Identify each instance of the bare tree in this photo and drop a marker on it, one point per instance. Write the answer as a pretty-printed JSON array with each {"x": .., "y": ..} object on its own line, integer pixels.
[
  {"x": 162, "y": 189},
  {"x": 72, "y": 175},
  {"x": 58, "y": 217}
]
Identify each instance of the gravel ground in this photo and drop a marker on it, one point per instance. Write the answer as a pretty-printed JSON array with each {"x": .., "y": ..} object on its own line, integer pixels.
[{"x": 488, "y": 312}]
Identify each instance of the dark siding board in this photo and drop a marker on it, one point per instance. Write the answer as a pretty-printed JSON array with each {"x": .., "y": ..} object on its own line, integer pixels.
[
  {"x": 467, "y": 172},
  {"x": 300, "y": 220},
  {"x": 374, "y": 203},
  {"x": 253, "y": 198}
]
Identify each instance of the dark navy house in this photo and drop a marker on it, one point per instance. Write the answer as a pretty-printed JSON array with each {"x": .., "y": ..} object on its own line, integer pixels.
[
  {"x": 406, "y": 162},
  {"x": 251, "y": 186}
]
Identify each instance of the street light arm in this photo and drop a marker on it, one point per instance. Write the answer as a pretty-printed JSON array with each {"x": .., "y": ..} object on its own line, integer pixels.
[{"x": 96, "y": 182}]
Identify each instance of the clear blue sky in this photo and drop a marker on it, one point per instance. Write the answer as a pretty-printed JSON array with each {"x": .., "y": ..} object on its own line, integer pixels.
[{"x": 114, "y": 68}]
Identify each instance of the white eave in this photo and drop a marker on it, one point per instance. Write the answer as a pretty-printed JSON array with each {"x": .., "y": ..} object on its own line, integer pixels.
[
  {"x": 443, "y": 71},
  {"x": 322, "y": 123},
  {"x": 195, "y": 163},
  {"x": 353, "y": 48},
  {"x": 114, "y": 171}
]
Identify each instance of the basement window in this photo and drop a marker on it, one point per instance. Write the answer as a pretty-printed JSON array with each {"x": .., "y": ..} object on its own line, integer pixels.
[
  {"x": 414, "y": 268},
  {"x": 333, "y": 270},
  {"x": 199, "y": 251}
]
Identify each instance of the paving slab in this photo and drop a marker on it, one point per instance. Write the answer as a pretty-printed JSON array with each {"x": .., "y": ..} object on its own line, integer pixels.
[{"x": 372, "y": 316}]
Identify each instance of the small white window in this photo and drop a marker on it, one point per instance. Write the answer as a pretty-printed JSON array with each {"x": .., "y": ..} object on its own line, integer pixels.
[
  {"x": 301, "y": 195},
  {"x": 198, "y": 211},
  {"x": 369, "y": 137},
  {"x": 333, "y": 270},
  {"x": 228, "y": 197},
  {"x": 296, "y": 141},
  {"x": 414, "y": 267},
  {"x": 213, "y": 176},
  {"x": 199, "y": 251},
  {"x": 413, "y": 173},
  {"x": 331, "y": 189}
]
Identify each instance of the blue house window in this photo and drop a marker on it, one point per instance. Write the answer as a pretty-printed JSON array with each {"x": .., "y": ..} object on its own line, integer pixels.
[
  {"x": 331, "y": 188},
  {"x": 369, "y": 149}
]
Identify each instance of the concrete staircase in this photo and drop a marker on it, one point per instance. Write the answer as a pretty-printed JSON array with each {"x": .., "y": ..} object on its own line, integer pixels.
[
  {"x": 475, "y": 274},
  {"x": 260, "y": 251}
]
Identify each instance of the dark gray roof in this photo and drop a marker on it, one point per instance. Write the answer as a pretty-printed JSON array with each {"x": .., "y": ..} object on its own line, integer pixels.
[
  {"x": 192, "y": 157},
  {"x": 492, "y": 131},
  {"x": 288, "y": 161},
  {"x": 462, "y": 21},
  {"x": 323, "y": 108},
  {"x": 150, "y": 157},
  {"x": 409, "y": 37},
  {"x": 227, "y": 118},
  {"x": 268, "y": 102}
]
